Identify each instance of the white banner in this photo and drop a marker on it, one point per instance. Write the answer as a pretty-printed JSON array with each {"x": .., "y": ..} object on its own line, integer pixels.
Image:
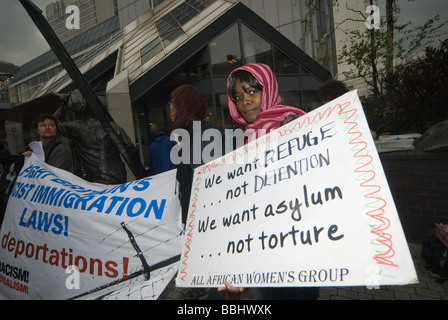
[
  {"x": 306, "y": 205},
  {"x": 65, "y": 238}
]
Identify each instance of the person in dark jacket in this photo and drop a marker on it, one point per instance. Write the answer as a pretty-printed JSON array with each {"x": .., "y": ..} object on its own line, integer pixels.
[
  {"x": 57, "y": 154},
  {"x": 188, "y": 110},
  {"x": 159, "y": 152},
  {"x": 4, "y": 152}
]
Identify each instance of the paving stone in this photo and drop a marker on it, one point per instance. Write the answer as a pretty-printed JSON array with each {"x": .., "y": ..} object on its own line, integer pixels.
[
  {"x": 402, "y": 295},
  {"x": 365, "y": 296},
  {"x": 402, "y": 289},
  {"x": 383, "y": 294},
  {"x": 347, "y": 293},
  {"x": 428, "y": 293}
]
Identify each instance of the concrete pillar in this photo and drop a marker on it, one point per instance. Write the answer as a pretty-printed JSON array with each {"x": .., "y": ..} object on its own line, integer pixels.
[{"x": 119, "y": 106}]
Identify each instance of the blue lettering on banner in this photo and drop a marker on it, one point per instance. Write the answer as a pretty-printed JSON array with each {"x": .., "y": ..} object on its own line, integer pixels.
[
  {"x": 44, "y": 221},
  {"x": 140, "y": 185},
  {"x": 118, "y": 205},
  {"x": 21, "y": 190},
  {"x": 36, "y": 172},
  {"x": 72, "y": 196}
]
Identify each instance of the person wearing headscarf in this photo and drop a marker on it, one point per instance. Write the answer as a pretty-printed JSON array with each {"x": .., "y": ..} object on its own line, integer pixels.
[{"x": 254, "y": 101}]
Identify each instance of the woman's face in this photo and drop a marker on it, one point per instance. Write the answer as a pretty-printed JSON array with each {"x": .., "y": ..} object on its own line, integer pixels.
[{"x": 248, "y": 100}]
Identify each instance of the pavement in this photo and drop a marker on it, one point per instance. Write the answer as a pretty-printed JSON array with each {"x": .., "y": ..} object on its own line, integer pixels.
[{"x": 426, "y": 289}]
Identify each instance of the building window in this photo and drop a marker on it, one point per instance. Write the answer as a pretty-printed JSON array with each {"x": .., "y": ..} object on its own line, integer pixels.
[
  {"x": 169, "y": 27},
  {"x": 284, "y": 64},
  {"x": 151, "y": 50},
  {"x": 209, "y": 68},
  {"x": 225, "y": 52},
  {"x": 256, "y": 49},
  {"x": 155, "y": 3}
]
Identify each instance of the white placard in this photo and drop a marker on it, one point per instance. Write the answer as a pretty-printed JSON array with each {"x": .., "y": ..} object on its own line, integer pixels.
[{"x": 305, "y": 205}]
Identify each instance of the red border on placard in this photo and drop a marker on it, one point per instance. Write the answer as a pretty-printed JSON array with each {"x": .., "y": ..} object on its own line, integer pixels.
[{"x": 360, "y": 153}]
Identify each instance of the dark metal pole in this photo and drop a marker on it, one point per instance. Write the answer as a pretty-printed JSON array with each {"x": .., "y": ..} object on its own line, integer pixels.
[
  {"x": 127, "y": 151},
  {"x": 140, "y": 255},
  {"x": 133, "y": 275}
]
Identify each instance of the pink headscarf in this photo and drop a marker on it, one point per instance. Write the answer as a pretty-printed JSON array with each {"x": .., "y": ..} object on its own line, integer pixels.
[{"x": 272, "y": 111}]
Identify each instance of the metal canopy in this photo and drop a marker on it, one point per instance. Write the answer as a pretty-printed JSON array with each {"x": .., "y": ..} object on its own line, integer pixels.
[{"x": 28, "y": 111}]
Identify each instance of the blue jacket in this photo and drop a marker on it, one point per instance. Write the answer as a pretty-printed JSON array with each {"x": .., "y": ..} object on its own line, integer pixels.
[{"x": 159, "y": 151}]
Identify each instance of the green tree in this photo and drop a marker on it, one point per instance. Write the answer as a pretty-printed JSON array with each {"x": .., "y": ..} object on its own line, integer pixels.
[
  {"x": 418, "y": 94},
  {"x": 374, "y": 54}
]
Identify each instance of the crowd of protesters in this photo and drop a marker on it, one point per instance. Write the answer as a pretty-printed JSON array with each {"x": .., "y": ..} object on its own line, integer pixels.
[{"x": 254, "y": 103}]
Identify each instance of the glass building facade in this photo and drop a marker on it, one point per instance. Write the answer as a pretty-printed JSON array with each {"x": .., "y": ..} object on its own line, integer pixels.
[
  {"x": 83, "y": 48},
  {"x": 208, "y": 70},
  {"x": 176, "y": 42}
]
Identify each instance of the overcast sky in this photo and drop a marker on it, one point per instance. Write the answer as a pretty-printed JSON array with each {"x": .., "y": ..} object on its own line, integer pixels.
[{"x": 20, "y": 41}]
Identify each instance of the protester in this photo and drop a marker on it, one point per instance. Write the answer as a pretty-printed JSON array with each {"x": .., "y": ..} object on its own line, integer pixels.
[
  {"x": 9, "y": 170},
  {"x": 160, "y": 150},
  {"x": 4, "y": 152},
  {"x": 188, "y": 109},
  {"x": 254, "y": 101},
  {"x": 57, "y": 154},
  {"x": 331, "y": 89}
]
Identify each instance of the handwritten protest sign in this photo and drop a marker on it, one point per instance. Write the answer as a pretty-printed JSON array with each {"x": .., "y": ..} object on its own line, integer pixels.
[
  {"x": 65, "y": 238},
  {"x": 306, "y": 205}
]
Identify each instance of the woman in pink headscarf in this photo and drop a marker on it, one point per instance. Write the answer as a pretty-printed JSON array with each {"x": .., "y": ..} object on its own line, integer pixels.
[{"x": 253, "y": 99}]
